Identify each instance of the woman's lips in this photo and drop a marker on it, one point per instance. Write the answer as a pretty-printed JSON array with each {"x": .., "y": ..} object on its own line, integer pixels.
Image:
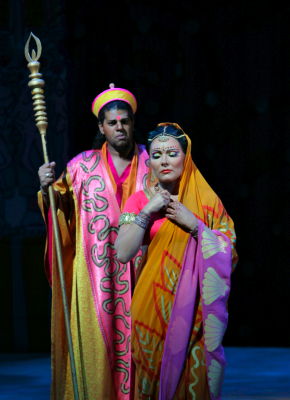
[{"x": 166, "y": 171}]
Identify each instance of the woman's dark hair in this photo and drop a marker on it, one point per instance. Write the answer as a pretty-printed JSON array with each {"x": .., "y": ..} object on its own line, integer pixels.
[
  {"x": 170, "y": 130},
  {"x": 100, "y": 139}
]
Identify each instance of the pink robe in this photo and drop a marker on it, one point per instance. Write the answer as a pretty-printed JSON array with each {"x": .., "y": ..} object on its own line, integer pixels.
[{"x": 98, "y": 286}]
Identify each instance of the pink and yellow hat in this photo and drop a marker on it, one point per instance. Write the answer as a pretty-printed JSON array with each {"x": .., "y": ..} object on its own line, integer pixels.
[{"x": 113, "y": 94}]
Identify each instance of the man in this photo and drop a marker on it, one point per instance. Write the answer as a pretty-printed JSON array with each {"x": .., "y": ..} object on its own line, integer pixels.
[{"x": 89, "y": 197}]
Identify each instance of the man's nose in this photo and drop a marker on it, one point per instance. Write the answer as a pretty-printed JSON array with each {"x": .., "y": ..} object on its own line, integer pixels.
[{"x": 119, "y": 125}]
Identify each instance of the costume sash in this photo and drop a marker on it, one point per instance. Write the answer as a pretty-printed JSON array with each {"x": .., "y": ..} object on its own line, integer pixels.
[
  {"x": 110, "y": 280},
  {"x": 207, "y": 265}
]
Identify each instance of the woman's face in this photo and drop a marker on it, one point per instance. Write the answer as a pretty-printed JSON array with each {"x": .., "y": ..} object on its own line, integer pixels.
[{"x": 166, "y": 159}]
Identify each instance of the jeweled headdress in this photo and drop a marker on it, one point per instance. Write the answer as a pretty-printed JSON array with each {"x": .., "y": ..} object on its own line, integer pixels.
[{"x": 164, "y": 136}]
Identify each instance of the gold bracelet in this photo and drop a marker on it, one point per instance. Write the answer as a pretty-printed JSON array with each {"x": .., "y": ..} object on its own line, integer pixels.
[{"x": 126, "y": 218}]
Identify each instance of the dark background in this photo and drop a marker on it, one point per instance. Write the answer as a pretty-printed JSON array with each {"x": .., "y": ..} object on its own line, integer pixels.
[{"x": 219, "y": 69}]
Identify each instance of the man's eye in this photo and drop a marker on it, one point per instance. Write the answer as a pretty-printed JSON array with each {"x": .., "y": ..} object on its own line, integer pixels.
[{"x": 112, "y": 123}]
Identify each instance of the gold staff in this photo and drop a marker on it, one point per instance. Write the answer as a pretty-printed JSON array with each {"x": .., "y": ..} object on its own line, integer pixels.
[{"x": 37, "y": 84}]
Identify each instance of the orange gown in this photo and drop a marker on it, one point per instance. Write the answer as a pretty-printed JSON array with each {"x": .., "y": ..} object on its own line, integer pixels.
[{"x": 156, "y": 287}]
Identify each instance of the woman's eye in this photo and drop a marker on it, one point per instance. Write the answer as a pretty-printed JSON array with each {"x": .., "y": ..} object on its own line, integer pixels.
[
  {"x": 155, "y": 155},
  {"x": 173, "y": 153}
]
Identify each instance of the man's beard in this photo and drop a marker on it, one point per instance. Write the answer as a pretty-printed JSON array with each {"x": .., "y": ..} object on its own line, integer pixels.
[{"x": 124, "y": 145}]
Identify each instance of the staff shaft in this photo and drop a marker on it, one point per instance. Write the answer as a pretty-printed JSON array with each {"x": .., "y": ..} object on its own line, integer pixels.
[{"x": 37, "y": 84}]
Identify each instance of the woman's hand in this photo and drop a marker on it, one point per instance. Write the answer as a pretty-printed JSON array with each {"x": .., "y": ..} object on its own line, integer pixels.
[
  {"x": 181, "y": 215},
  {"x": 158, "y": 201},
  {"x": 46, "y": 175}
]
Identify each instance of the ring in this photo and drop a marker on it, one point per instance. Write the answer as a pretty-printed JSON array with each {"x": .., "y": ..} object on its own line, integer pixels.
[{"x": 47, "y": 174}]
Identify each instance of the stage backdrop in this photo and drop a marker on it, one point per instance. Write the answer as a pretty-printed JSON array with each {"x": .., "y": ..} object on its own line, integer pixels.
[{"x": 221, "y": 72}]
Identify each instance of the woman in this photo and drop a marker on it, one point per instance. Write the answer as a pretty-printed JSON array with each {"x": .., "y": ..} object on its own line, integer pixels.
[{"x": 179, "y": 310}]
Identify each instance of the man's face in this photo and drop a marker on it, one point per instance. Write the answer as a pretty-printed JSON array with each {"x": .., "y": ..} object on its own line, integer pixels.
[{"x": 118, "y": 129}]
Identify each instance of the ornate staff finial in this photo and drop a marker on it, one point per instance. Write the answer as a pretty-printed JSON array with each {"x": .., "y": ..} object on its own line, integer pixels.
[
  {"x": 36, "y": 84},
  {"x": 34, "y": 56}
]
